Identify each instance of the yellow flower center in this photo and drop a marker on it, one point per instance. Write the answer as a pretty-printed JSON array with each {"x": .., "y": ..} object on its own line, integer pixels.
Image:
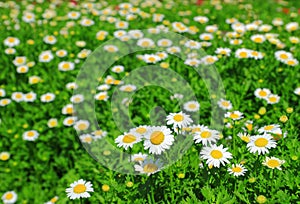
[
  {"x": 20, "y": 60},
  {"x": 66, "y": 66},
  {"x": 273, "y": 163},
  {"x": 206, "y": 37},
  {"x": 141, "y": 130},
  {"x": 11, "y": 40},
  {"x": 157, "y": 137},
  {"x": 79, "y": 188},
  {"x": 150, "y": 168},
  {"x": 216, "y": 154},
  {"x": 261, "y": 142},
  {"x": 291, "y": 62},
  {"x": 205, "y": 134},
  {"x": 243, "y": 54},
  {"x": 70, "y": 121},
  {"x": 283, "y": 56},
  {"x": 263, "y": 93},
  {"x": 139, "y": 159},
  {"x": 48, "y": 98},
  {"x": 101, "y": 97},
  {"x": 225, "y": 103},
  {"x": 237, "y": 169},
  {"x": 129, "y": 138},
  {"x": 9, "y": 196},
  {"x": 82, "y": 126},
  {"x": 192, "y": 106},
  {"x": 4, "y": 157},
  {"x": 30, "y": 134},
  {"x": 269, "y": 127},
  {"x": 88, "y": 139},
  {"x": 69, "y": 110},
  {"x": 128, "y": 89},
  {"x": 258, "y": 40},
  {"x": 234, "y": 116},
  {"x": 273, "y": 99},
  {"x": 178, "y": 118},
  {"x": 145, "y": 44}
]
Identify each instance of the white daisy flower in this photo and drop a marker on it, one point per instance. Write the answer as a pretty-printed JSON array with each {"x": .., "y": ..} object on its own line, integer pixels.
[
  {"x": 206, "y": 36},
  {"x": 103, "y": 87},
  {"x": 50, "y": 39},
  {"x": 22, "y": 69},
  {"x": 209, "y": 59},
  {"x": 117, "y": 68},
  {"x": 235, "y": 115},
  {"x": 52, "y": 122},
  {"x": 158, "y": 139},
  {"x": 87, "y": 22},
  {"x": 178, "y": 120},
  {"x": 297, "y": 91},
  {"x": 145, "y": 42},
  {"x": 255, "y": 54},
  {"x": 201, "y": 19},
  {"x": 164, "y": 42},
  {"x": 86, "y": 138},
  {"x": 282, "y": 55},
  {"x": 173, "y": 50},
  {"x": 141, "y": 130},
  {"x": 192, "y": 62},
  {"x": 292, "y": 26},
  {"x": 128, "y": 140},
  {"x": 73, "y": 15},
  {"x": 11, "y": 41},
  {"x": 5, "y": 102},
  {"x": 136, "y": 34},
  {"x": 101, "y": 96},
  {"x": 71, "y": 85},
  {"x": 17, "y": 96},
  {"x": 258, "y": 38},
  {"x": 273, "y": 163},
  {"x": 78, "y": 98},
  {"x": 206, "y": 136},
  {"x": 18, "y": 61},
  {"x": 30, "y": 135},
  {"x": 9, "y": 197},
  {"x": 225, "y": 104},
  {"x": 261, "y": 144},
  {"x": 162, "y": 55},
  {"x": 66, "y": 66},
  {"x": 237, "y": 170},
  {"x": 46, "y": 56},
  {"x": 111, "y": 48},
  {"x": 192, "y": 44},
  {"x": 223, "y": 51},
  {"x": 291, "y": 62},
  {"x": 79, "y": 189},
  {"x": 262, "y": 93},
  {"x": 148, "y": 167},
  {"x": 69, "y": 121},
  {"x": 48, "y": 97},
  {"x": 151, "y": 58},
  {"x": 215, "y": 155},
  {"x": 128, "y": 88},
  {"x": 273, "y": 98},
  {"x": 191, "y": 106},
  {"x": 99, "y": 134},
  {"x": 242, "y": 53},
  {"x": 30, "y": 97},
  {"x": 82, "y": 125},
  {"x": 2, "y": 93},
  {"x": 140, "y": 157},
  {"x": 269, "y": 128}
]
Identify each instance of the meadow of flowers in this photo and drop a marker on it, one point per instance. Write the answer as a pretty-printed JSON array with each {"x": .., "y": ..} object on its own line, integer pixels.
[{"x": 150, "y": 101}]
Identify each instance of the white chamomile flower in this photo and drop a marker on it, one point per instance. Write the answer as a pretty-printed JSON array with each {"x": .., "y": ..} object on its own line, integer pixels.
[
  {"x": 141, "y": 130},
  {"x": 78, "y": 98},
  {"x": 46, "y": 56},
  {"x": 235, "y": 115},
  {"x": 79, "y": 189},
  {"x": 30, "y": 97},
  {"x": 148, "y": 167},
  {"x": 128, "y": 88},
  {"x": 48, "y": 97},
  {"x": 273, "y": 99},
  {"x": 9, "y": 197},
  {"x": 225, "y": 104},
  {"x": 262, "y": 93},
  {"x": 158, "y": 139},
  {"x": 297, "y": 91},
  {"x": 261, "y": 144},
  {"x": 269, "y": 128},
  {"x": 30, "y": 135},
  {"x": 69, "y": 121},
  {"x": 237, "y": 170},
  {"x": 66, "y": 66},
  {"x": 127, "y": 140},
  {"x": 117, "y": 68},
  {"x": 17, "y": 96},
  {"x": 206, "y": 136},
  {"x": 140, "y": 157},
  {"x": 86, "y": 138},
  {"x": 273, "y": 163},
  {"x": 215, "y": 155},
  {"x": 82, "y": 125},
  {"x": 178, "y": 120},
  {"x": 191, "y": 106}
]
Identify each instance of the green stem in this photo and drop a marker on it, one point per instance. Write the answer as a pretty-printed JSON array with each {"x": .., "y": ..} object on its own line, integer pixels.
[
  {"x": 272, "y": 181},
  {"x": 233, "y": 140}
]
